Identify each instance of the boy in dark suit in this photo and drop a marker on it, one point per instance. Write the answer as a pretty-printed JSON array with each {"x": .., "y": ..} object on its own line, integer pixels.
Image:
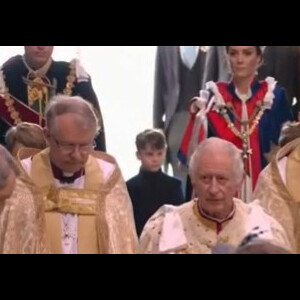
[{"x": 151, "y": 188}]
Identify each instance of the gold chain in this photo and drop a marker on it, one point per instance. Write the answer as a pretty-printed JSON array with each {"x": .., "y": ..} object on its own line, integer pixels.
[
  {"x": 9, "y": 99},
  {"x": 71, "y": 78},
  {"x": 244, "y": 133},
  {"x": 9, "y": 102}
]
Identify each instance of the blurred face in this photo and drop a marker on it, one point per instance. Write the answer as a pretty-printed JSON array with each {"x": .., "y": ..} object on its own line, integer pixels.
[
  {"x": 70, "y": 144},
  {"x": 215, "y": 183},
  {"x": 7, "y": 190},
  {"x": 37, "y": 56},
  {"x": 151, "y": 159},
  {"x": 244, "y": 61}
]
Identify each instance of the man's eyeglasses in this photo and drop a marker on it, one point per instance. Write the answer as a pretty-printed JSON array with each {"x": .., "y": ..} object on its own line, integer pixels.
[{"x": 70, "y": 148}]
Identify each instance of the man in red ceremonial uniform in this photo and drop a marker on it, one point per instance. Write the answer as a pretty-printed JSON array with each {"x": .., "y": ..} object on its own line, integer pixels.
[{"x": 28, "y": 82}]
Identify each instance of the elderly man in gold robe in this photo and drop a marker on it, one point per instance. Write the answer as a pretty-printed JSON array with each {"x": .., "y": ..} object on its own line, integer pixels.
[{"x": 215, "y": 216}]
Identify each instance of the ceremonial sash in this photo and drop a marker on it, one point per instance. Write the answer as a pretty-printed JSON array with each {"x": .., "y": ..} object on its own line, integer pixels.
[{"x": 13, "y": 111}]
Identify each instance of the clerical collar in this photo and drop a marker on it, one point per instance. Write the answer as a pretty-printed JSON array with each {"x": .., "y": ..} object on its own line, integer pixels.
[
  {"x": 62, "y": 177},
  {"x": 41, "y": 71}
]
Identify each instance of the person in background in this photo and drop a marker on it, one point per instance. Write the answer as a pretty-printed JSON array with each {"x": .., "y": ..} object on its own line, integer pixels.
[
  {"x": 24, "y": 134},
  {"x": 151, "y": 188},
  {"x": 280, "y": 62},
  {"x": 178, "y": 78},
  {"x": 247, "y": 112},
  {"x": 27, "y": 82}
]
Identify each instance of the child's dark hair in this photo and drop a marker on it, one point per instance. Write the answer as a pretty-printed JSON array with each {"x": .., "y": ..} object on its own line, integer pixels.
[{"x": 154, "y": 138}]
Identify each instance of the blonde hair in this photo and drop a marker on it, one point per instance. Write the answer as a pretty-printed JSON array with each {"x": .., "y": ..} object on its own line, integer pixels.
[{"x": 28, "y": 134}]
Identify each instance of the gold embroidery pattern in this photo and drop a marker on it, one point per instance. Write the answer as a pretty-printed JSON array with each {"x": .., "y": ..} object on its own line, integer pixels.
[
  {"x": 71, "y": 200},
  {"x": 37, "y": 90},
  {"x": 9, "y": 99},
  {"x": 245, "y": 131},
  {"x": 71, "y": 78},
  {"x": 9, "y": 102}
]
